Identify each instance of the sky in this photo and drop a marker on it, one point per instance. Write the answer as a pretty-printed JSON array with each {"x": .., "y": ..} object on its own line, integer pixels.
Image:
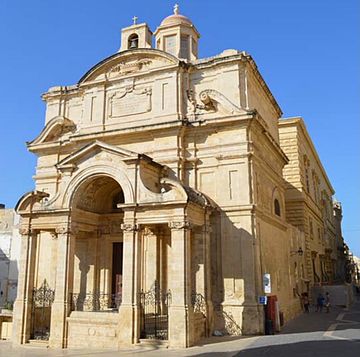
[{"x": 308, "y": 52}]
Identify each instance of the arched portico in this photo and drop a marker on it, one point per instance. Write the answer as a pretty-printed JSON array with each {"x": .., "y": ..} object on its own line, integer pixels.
[{"x": 116, "y": 230}]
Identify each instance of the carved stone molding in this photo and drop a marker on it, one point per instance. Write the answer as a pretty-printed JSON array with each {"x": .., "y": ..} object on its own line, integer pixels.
[
  {"x": 149, "y": 231},
  {"x": 129, "y": 67},
  {"x": 129, "y": 101},
  {"x": 65, "y": 230},
  {"x": 211, "y": 101},
  {"x": 177, "y": 225},
  {"x": 128, "y": 227},
  {"x": 26, "y": 231},
  {"x": 104, "y": 229}
]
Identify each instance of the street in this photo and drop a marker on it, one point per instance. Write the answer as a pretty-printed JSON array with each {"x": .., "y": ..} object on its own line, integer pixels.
[{"x": 332, "y": 334}]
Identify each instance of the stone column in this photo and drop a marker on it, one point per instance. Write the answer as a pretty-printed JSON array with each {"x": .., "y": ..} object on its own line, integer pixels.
[
  {"x": 129, "y": 311},
  {"x": 180, "y": 310},
  {"x": 23, "y": 303},
  {"x": 151, "y": 267},
  {"x": 61, "y": 306},
  {"x": 206, "y": 231}
]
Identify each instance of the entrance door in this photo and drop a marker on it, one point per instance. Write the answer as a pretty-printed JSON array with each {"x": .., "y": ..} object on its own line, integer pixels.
[
  {"x": 42, "y": 299},
  {"x": 117, "y": 265}
]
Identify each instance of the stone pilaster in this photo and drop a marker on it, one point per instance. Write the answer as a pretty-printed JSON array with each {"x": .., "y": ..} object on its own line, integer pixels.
[
  {"x": 61, "y": 306},
  {"x": 23, "y": 303},
  {"x": 180, "y": 310},
  {"x": 206, "y": 231},
  {"x": 129, "y": 311}
]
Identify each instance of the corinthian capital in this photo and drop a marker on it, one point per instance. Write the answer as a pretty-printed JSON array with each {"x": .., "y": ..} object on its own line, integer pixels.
[
  {"x": 62, "y": 230},
  {"x": 179, "y": 225},
  {"x": 128, "y": 227},
  {"x": 25, "y": 231}
]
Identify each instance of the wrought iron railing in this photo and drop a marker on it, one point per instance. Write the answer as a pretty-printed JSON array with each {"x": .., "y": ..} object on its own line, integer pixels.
[
  {"x": 42, "y": 299},
  {"x": 154, "y": 315},
  {"x": 95, "y": 302}
]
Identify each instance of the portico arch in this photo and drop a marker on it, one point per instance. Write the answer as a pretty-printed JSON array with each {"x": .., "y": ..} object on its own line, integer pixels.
[
  {"x": 98, "y": 254},
  {"x": 102, "y": 169}
]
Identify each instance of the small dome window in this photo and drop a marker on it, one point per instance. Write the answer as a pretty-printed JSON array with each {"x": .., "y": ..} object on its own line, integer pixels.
[
  {"x": 277, "y": 207},
  {"x": 133, "y": 41}
]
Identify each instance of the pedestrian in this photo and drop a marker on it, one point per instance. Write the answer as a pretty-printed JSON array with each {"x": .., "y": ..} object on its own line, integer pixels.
[
  {"x": 320, "y": 302},
  {"x": 327, "y": 301},
  {"x": 306, "y": 302}
]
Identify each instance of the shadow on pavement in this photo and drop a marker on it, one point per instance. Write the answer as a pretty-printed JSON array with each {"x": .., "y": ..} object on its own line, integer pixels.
[
  {"x": 328, "y": 348},
  {"x": 325, "y": 348}
]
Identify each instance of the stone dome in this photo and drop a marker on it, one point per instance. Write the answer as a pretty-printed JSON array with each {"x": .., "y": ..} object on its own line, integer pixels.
[{"x": 176, "y": 19}]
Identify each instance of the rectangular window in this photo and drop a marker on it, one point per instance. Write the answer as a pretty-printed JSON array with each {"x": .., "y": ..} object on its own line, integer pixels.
[
  {"x": 170, "y": 44},
  {"x": 307, "y": 179},
  {"x": 233, "y": 184},
  {"x": 194, "y": 47},
  {"x": 184, "y": 47},
  {"x": 311, "y": 228}
]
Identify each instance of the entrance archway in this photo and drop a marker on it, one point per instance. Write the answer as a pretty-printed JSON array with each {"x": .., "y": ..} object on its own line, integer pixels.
[{"x": 98, "y": 261}]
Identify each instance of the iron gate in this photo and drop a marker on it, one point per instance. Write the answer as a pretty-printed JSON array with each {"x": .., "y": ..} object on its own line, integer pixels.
[
  {"x": 42, "y": 299},
  {"x": 154, "y": 316}
]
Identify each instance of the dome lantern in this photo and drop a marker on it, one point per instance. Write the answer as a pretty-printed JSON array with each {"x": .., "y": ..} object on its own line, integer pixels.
[{"x": 178, "y": 36}]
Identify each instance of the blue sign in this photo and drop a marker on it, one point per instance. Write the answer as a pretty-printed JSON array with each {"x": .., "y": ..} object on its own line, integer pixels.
[{"x": 263, "y": 300}]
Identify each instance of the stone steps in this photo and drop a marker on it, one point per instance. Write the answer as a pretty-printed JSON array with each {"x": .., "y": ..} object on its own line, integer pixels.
[
  {"x": 154, "y": 343},
  {"x": 38, "y": 343}
]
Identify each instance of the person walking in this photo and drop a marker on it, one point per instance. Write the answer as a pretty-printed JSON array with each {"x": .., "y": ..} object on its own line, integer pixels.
[
  {"x": 306, "y": 302},
  {"x": 320, "y": 302},
  {"x": 327, "y": 301}
]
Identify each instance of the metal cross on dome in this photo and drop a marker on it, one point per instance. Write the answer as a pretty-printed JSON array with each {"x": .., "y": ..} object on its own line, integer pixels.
[{"x": 135, "y": 18}]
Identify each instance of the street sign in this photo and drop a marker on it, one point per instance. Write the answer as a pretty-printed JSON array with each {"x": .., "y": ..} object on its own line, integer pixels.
[
  {"x": 262, "y": 300},
  {"x": 267, "y": 283}
]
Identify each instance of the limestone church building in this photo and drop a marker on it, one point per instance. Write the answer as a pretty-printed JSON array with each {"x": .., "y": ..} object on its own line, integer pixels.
[{"x": 160, "y": 200}]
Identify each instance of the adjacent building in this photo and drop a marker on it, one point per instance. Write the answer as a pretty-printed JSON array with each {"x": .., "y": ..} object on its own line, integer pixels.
[
  {"x": 310, "y": 205},
  {"x": 9, "y": 256}
]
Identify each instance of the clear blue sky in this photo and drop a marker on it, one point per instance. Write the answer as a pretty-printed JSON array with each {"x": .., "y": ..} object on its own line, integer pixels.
[{"x": 307, "y": 50}]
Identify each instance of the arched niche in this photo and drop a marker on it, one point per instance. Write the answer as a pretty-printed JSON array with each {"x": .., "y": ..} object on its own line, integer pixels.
[{"x": 98, "y": 194}]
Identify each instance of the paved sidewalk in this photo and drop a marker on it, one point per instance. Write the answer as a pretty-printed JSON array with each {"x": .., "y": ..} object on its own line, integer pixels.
[{"x": 333, "y": 334}]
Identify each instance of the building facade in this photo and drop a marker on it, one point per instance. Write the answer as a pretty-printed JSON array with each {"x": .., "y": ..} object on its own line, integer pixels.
[
  {"x": 9, "y": 256},
  {"x": 159, "y": 198},
  {"x": 310, "y": 205}
]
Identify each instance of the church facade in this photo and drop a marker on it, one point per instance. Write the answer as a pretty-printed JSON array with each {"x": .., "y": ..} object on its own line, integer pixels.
[{"x": 159, "y": 200}]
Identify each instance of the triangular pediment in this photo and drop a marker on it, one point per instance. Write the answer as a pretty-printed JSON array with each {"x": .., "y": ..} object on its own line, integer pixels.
[
  {"x": 93, "y": 149},
  {"x": 135, "y": 61}
]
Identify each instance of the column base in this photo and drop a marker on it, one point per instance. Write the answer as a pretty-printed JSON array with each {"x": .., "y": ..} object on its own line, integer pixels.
[
  {"x": 20, "y": 334},
  {"x": 181, "y": 327},
  {"x": 236, "y": 319},
  {"x": 129, "y": 326},
  {"x": 58, "y": 330}
]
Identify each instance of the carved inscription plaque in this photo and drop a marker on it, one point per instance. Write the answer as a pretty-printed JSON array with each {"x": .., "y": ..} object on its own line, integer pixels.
[{"x": 130, "y": 103}]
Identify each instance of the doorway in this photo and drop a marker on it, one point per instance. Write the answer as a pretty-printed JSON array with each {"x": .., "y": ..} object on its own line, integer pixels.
[{"x": 117, "y": 269}]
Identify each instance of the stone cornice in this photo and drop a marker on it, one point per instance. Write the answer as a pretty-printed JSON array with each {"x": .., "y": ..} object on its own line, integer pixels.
[
  {"x": 270, "y": 139},
  {"x": 244, "y": 57}
]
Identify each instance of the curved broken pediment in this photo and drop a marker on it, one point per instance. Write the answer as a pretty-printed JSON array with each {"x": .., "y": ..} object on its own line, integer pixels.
[
  {"x": 53, "y": 130},
  {"x": 29, "y": 201},
  {"x": 127, "y": 62}
]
